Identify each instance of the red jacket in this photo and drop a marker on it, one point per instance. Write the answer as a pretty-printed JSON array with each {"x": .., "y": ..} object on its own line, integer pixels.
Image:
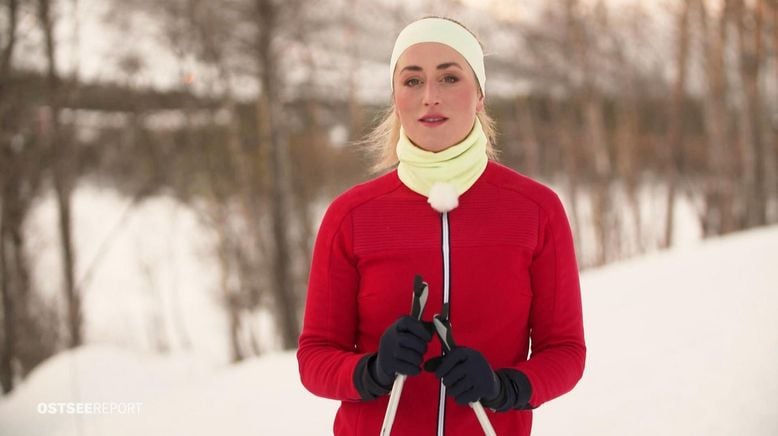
[{"x": 513, "y": 282}]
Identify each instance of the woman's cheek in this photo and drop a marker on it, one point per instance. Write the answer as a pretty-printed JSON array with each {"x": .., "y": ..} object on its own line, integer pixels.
[{"x": 404, "y": 99}]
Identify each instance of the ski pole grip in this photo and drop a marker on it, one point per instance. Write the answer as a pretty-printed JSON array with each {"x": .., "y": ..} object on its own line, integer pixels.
[{"x": 420, "y": 294}]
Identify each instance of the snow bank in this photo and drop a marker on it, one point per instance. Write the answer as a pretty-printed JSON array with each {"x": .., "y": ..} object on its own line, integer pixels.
[{"x": 679, "y": 343}]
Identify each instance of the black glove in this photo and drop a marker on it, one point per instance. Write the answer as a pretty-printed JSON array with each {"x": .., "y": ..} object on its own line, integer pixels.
[
  {"x": 400, "y": 351},
  {"x": 515, "y": 392},
  {"x": 468, "y": 376}
]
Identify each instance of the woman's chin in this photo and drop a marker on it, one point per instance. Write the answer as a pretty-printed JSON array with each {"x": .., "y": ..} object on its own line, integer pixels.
[{"x": 433, "y": 146}]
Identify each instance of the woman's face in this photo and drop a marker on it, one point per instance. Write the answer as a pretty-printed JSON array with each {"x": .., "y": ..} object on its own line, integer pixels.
[{"x": 436, "y": 95}]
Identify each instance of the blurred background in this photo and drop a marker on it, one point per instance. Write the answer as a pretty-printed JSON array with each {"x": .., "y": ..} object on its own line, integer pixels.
[{"x": 164, "y": 165}]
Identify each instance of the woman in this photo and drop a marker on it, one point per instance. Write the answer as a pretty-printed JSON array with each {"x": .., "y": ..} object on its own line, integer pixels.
[{"x": 495, "y": 248}]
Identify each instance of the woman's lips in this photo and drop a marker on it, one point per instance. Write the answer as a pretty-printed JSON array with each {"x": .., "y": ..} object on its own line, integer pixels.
[{"x": 433, "y": 121}]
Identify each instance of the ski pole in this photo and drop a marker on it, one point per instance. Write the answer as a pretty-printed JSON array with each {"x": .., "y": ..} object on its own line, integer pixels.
[
  {"x": 420, "y": 293},
  {"x": 443, "y": 329}
]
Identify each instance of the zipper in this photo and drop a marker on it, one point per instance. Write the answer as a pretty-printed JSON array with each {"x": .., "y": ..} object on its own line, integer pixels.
[{"x": 446, "y": 248}]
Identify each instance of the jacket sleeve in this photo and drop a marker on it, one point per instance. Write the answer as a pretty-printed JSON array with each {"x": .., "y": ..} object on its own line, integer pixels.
[
  {"x": 558, "y": 350},
  {"x": 326, "y": 356}
]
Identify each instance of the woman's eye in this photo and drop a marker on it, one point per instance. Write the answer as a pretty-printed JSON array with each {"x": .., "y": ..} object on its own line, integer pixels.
[
  {"x": 412, "y": 82},
  {"x": 451, "y": 79}
]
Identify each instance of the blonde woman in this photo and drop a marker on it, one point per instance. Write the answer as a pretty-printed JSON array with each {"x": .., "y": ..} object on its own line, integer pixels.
[{"x": 494, "y": 247}]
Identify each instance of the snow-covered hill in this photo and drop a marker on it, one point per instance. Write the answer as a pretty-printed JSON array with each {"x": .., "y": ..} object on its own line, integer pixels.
[{"x": 680, "y": 343}]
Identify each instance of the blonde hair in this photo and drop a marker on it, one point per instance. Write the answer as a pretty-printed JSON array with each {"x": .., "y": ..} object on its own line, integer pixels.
[{"x": 381, "y": 142}]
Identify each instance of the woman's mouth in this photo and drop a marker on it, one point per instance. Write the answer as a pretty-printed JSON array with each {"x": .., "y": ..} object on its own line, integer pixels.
[{"x": 433, "y": 120}]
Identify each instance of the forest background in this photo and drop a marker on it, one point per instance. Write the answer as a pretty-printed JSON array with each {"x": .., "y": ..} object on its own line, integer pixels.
[{"x": 248, "y": 113}]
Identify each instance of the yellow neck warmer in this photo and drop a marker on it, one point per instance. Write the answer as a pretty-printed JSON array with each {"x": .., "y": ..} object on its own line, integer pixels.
[{"x": 459, "y": 165}]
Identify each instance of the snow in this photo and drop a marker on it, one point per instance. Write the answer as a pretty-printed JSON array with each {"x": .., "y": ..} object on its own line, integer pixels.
[
  {"x": 683, "y": 342},
  {"x": 679, "y": 343},
  {"x": 146, "y": 271},
  {"x": 177, "y": 395}
]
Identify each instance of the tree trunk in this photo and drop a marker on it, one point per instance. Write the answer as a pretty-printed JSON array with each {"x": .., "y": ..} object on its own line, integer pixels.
[
  {"x": 717, "y": 217},
  {"x": 750, "y": 57},
  {"x": 62, "y": 175},
  {"x": 252, "y": 245},
  {"x": 569, "y": 127},
  {"x": 774, "y": 122},
  {"x": 16, "y": 288},
  {"x": 233, "y": 315},
  {"x": 7, "y": 182},
  {"x": 565, "y": 118},
  {"x": 595, "y": 139},
  {"x": 627, "y": 166},
  {"x": 674, "y": 143},
  {"x": 627, "y": 136},
  {"x": 9, "y": 309},
  {"x": 528, "y": 138},
  {"x": 277, "y": 168},
  {"x": 352, "y": 40},
  {"x": 7, "y": 52}
]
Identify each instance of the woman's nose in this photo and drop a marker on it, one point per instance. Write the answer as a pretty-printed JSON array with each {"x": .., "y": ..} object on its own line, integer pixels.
[{"x": 431, "y": 94}]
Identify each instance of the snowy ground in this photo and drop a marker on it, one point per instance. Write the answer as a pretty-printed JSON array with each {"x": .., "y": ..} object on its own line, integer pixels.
[
  {"x": 680, "y": 343},
  {"x": 147, "y": 272}
]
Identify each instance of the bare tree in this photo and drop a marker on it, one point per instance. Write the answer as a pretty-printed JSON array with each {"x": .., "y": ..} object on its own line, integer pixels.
[
  {"x": 8, "y": 45},
  {"x": 718, "y": 214},
  {"x": 351, "y": 31},
  {"x": 7, "y": 204},
  {"x": 29, "y": 322},
  {"x": 529, "y": 141},
  {"x": 750, "y": 46},
  {"x": 675, "y": 139},
  {"x": 774, "y": 118},
  {"x": 62, "y": 169},
  {"x": 568, "y": 117},
  {"x": 627, "y": 133},
  {"x": 242, "y": 257},
  {"x": 595, "y": 139},
  {"x": 277, "y": 168}
]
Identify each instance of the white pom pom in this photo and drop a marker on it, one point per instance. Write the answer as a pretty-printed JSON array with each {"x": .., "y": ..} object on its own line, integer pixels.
[{"x": 443, "y": 197}]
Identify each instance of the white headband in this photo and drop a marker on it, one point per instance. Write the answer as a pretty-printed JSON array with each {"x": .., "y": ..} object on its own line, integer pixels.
[{"x": 445, "y": 32}]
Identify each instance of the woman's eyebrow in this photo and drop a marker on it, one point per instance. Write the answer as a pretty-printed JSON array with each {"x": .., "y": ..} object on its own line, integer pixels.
[
  {"x": 440, "y": 67},
  {"x": 448, "y": 65}
]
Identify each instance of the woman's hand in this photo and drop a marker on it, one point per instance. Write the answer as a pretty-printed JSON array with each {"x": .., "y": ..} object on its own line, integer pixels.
[
  {"x": 468, "y": 376},
  {"x": 401, "y": 350}
]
